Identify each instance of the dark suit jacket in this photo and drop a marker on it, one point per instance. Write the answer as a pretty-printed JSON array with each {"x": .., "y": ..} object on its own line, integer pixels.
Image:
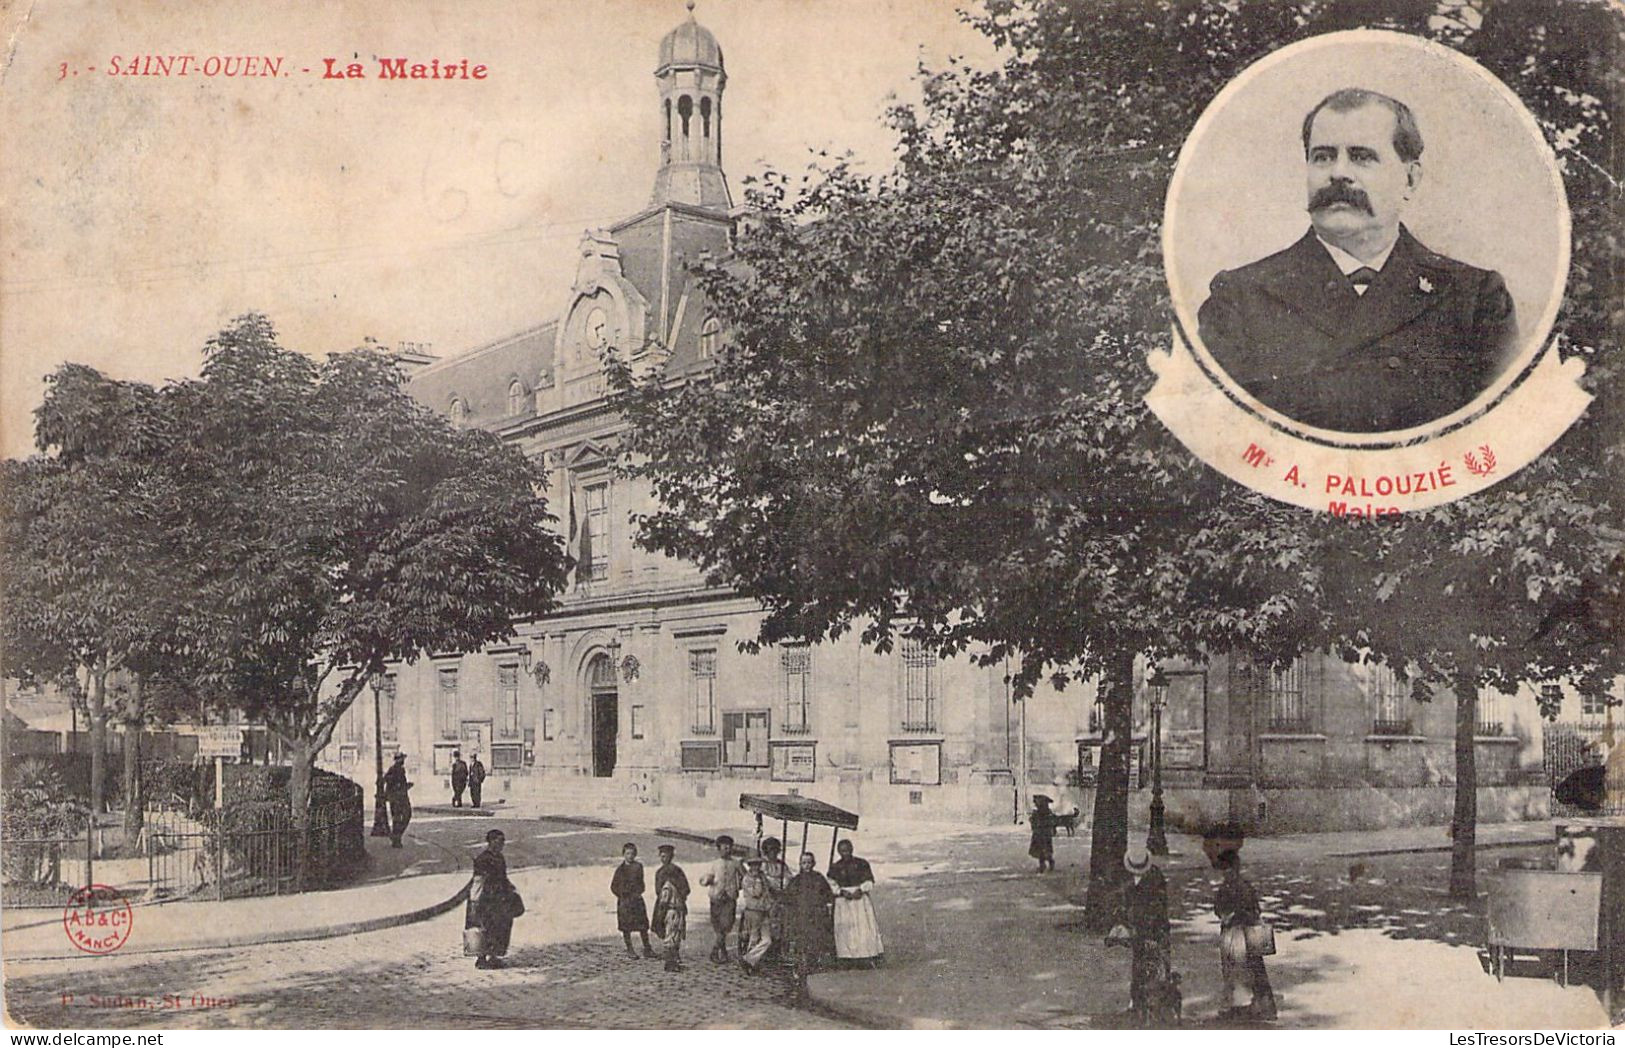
[{"x": 1428, "y": 336}]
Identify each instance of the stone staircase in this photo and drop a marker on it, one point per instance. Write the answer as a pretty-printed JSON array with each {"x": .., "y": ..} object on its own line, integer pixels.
[{"x": 534, "y": 796}]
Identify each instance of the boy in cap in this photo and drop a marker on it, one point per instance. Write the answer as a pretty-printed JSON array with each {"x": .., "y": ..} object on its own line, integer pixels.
[
  {"x": 722, "y": 879},
  {"x": 671, "y": 906},
  {"x": 755, "y": 902}
]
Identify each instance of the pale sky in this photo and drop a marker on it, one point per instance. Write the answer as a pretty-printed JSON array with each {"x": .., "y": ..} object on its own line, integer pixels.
[{"x": 142, "y": 213}]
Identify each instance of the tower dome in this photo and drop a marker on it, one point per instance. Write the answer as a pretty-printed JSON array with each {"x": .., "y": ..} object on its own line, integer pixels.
[
  {"x": 691, "y": 81},
  {"x": 688, "y": 46}
]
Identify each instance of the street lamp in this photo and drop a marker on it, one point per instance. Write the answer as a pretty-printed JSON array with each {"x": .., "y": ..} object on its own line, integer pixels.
[
  {"x": 380, "y": 811},
  {"x": 1156, "y": 840}
]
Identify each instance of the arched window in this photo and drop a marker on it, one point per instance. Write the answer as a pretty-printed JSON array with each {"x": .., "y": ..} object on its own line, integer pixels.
[
  {"x": 459, "y": 411},
  {"x": 601, "y": 674},
  {"x": 668, "y": 120},
  {"x": 516, "y": 397},
  {"x": 685, "y": 109},
  {"x": 705, "y": 117},
  {"x": 710, "y": 337}
]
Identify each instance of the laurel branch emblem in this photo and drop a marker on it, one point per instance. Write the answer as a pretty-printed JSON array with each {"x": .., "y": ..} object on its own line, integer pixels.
[{"x": 1477, "y": 468}]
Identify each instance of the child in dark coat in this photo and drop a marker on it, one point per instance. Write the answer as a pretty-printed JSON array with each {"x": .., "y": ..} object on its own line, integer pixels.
[{"x": 630, "y": 912}]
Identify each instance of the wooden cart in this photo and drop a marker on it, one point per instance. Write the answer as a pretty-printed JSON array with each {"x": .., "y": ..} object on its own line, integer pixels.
[
  {"x": 1534, "y": 910},
  {"x": 1575, "y": 903}
]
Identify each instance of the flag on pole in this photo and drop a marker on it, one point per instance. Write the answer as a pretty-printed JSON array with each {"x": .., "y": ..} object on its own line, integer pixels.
[
  {"x": 584, "y": 555},
  {"x": 575, "y": 529}
]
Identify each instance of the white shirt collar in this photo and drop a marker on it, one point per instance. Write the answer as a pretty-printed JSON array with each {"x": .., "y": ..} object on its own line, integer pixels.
[{"x": 1348, "y": 263}]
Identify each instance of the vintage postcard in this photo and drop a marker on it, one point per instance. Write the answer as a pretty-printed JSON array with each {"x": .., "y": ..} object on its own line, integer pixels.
[{"x": 813, "y": 514}]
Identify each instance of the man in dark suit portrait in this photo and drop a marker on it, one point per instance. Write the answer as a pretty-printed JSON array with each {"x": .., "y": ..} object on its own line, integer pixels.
[{"x": 1358, "y": 327}]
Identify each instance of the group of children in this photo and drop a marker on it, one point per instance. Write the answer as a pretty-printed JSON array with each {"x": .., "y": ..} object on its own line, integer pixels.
[
  {"x": 759, "y": 905},
  {"x": 747, "y": 896}
]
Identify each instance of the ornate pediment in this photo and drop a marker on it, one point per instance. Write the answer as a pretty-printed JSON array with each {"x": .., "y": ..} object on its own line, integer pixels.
[
  {"x": 606, "y": 314},
  {"x": 588, "y": 454}
]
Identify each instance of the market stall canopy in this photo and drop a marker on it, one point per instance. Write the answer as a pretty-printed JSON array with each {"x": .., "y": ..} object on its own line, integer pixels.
[{"x": 789, "y": 808}]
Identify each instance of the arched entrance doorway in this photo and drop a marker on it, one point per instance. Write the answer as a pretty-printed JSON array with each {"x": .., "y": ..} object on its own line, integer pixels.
[{"x": 606, "y": 714}]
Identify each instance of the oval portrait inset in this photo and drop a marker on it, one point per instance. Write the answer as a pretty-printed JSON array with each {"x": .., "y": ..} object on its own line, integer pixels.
[{"x": 1366, "y": 240}]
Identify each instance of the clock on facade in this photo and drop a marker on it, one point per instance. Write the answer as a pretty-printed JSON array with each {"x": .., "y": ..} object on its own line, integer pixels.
[{"x": 597, "y": 329}]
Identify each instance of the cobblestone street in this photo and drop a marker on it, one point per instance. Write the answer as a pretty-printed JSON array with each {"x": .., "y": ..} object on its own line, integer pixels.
[
  {"x": 974, "y": 938},
  {"x": 405, "y": 977}
]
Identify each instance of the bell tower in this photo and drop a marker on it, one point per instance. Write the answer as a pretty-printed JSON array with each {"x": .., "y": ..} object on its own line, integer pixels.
[{"x": 691, "y": 78}]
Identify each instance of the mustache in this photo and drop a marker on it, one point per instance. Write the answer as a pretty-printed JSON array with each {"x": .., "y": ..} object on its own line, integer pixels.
[{"x": 1340, "y": 193}]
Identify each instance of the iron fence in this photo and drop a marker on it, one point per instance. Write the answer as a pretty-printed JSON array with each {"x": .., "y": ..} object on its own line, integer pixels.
[
  {"x": 241, "y": 852},
  {"x": 44, "y": 871},
  {"x": 1569, "y": 747},
  {"x": 182, "y": 851}
]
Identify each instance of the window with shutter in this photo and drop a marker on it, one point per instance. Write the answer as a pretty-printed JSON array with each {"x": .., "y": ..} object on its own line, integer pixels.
[
  {"x": 446, "y": 696},
  {"x": 388, "y": 694},
  {"x": 508, "y": 698},
  {"x": 702, "y": 683},
  {"x": 795, "y": 661},
  {"x": 597, "y": 546}
]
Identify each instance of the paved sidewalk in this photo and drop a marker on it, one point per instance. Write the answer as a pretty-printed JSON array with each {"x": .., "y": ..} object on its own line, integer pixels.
[{"x": 400, "y": 886}]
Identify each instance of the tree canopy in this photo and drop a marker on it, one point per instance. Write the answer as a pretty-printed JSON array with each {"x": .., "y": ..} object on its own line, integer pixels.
[
  {"x": 309, "y": 522},
  {"x": 928, "y": 416}
]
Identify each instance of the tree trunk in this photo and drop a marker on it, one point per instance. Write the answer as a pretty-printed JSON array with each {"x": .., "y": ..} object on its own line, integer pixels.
[
  {"x": 1109, "y": 839},
  {"x": 96, "y": 699},
  {"x": 304, "y": 762},
  {"x": 134, "y": 791},
  {"x": 1464, "y": 823}
]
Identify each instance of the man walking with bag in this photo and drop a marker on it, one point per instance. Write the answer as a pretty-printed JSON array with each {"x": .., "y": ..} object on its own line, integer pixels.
[
  {"x": 493, "y": 903},
  {"x": 1244, "y": 938}
]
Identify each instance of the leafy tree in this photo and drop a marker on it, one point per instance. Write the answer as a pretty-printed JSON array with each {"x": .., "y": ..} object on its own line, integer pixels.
[
  {"x": 1464, "y": 601},
  {"x": 83, "y": 526},
  {"x": 1522, "y": 584},
  {"x": 263, "y": 538},
  {"x": 928, "y": 416},
  {"x": 37, "y": 807},
  {"x": 339, "y": 525}
]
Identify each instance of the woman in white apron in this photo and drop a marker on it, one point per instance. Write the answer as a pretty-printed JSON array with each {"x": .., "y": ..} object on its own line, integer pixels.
[{"x": 857, "y": 933}]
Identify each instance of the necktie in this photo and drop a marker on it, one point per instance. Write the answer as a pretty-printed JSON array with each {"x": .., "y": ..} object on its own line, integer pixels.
[{"x": 1361, "y": 278}]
